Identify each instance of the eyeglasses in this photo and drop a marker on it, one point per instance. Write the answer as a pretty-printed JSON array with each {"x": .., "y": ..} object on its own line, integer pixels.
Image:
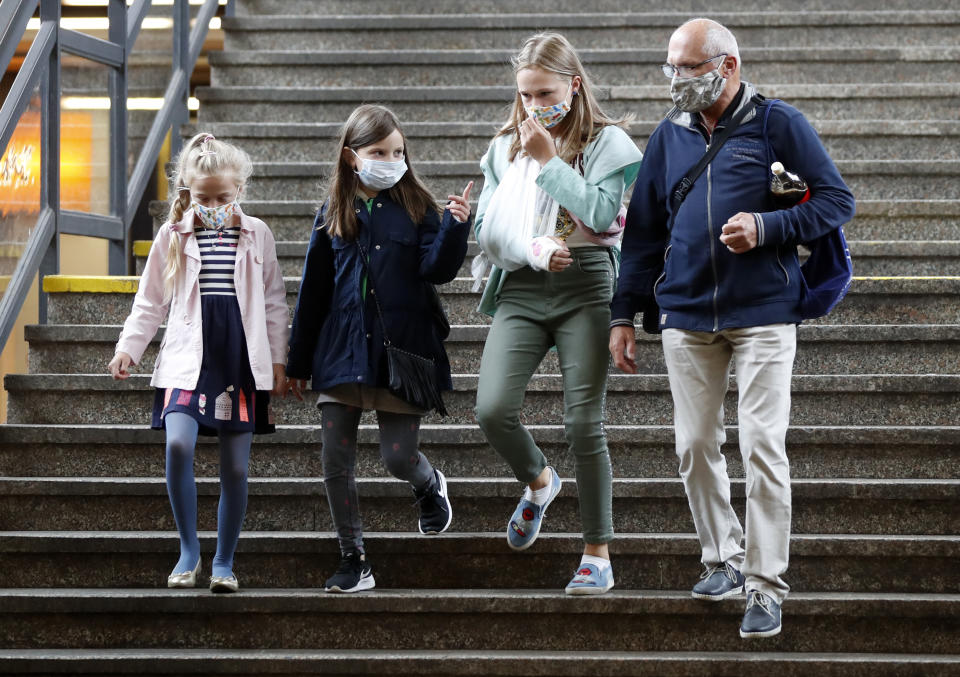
[{"x": 672, "y": 71}]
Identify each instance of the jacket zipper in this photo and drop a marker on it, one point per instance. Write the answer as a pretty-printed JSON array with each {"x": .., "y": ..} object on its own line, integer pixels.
[
  {"x": 713, "y": 247},
  {"x": 663, "y": 274}
]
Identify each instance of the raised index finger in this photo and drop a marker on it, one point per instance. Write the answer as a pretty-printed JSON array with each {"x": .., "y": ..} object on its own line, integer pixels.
[{"x": 466, "y": 192}]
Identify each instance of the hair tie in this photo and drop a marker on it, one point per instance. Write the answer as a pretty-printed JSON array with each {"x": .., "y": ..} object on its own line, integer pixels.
[{"x": 207, "y": 138}]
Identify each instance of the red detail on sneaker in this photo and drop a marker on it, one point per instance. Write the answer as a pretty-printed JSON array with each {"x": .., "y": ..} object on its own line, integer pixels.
[
  {"x": 527, "y": 514},
  {"x": 517, "y": 529},
  {"x": 584, "y": 572}
]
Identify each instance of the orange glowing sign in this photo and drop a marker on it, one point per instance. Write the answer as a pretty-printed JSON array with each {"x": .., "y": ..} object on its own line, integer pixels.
[{"x": 20, "y": 164}]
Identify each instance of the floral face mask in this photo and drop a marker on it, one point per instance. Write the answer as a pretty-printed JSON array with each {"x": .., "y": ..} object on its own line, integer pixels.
[
  {"x": 550, "y": 116},
  {"x": 215, "y": 218}
]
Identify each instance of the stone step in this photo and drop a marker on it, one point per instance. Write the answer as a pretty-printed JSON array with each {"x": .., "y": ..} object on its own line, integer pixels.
[
  {"x": 477, "y": 663},
  {"x": 844, "y": 139},
  {"x": 914, "y": 101},
  {"x": 824, "y": 562},
  {"x": 834, "y": 506},
  {"x": 762, "y": 65},
  {"x": 771, "y": 28},
  {"x": 291, "y": 220},
  {"x": 635, "y": 620},
  {"x": 636, "y": 450},
  {"x": 821, "y": 349},
  {"x": 871, "y": 258},
  {"x": 309, "y": 8},
  {"x": 868, "y": 179},
  {"x": 899, "y": 300},
  {"x": 868, "y": 399}
]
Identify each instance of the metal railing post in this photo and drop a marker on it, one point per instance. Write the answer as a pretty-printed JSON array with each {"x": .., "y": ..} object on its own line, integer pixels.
[
  {"x": 50, "y": 152},
  {"x": 181, "y": 61},
  {"x": 119, "y": 261}
]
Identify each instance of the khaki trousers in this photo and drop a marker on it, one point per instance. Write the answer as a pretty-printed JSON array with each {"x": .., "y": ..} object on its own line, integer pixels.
[{"x": 698, "y": 364}]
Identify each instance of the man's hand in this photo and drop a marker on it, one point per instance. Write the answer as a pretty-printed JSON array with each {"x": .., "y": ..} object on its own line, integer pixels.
[
  {"x": 739, "y": 234},
  {"x": 623, "y": 348}
]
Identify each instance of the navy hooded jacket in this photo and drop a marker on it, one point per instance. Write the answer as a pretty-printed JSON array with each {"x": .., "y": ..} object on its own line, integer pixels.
[
  {"x": 336, "y": 335},
  {"x": 696, "y": 281}
]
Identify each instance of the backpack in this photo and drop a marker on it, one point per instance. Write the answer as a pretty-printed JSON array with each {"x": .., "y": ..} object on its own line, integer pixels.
[{"x": 826, "y": 275}]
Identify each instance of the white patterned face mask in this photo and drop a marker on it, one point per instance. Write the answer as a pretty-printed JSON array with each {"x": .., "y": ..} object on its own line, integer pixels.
[
  {"x": 550, "y": 116},
  {"x": 379, "y": 174},
  {"x": 215, "y": 218}
]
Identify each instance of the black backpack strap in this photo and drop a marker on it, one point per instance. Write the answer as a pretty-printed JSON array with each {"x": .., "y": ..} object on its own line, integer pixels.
[{"x": 716, "y": 143}]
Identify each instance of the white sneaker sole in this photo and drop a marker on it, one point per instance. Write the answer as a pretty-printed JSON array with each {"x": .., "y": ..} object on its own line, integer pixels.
[
  {"x": 717, "y": 598},
  {"x": 760, "y": 635},
  {"x": 588, "y": 591},
  {"x": 365, "y": 583}
]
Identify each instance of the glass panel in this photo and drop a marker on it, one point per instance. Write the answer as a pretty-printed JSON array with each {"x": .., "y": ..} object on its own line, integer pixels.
[
  {"x": 19, "y": 188},
  {"x": 84, "y": 135}
]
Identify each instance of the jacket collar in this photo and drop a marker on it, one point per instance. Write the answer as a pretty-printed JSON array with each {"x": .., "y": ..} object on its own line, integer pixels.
[{"x": 691, "y": 120}]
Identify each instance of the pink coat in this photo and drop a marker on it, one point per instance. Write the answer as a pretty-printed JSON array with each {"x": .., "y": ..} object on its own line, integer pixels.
[{"x": 260, "y": 293}]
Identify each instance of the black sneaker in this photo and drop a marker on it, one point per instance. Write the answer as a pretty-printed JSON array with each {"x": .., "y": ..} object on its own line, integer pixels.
[
  {"x": 353, "y": 574},
  {"x": 435, "y": 509}
]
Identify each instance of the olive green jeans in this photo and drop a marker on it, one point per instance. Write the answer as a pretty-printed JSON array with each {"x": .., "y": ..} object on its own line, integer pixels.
[{"x": 571, "y": 310}]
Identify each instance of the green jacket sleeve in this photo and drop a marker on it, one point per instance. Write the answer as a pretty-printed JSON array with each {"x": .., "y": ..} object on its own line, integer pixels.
[{"x": 611, "y": 163}]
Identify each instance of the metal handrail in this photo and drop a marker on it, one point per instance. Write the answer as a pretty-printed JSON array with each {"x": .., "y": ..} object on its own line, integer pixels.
[{"x": 42, "y": 65}]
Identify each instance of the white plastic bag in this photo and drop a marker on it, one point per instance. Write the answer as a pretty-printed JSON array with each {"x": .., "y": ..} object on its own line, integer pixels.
[{"x": 519, "y": 211}]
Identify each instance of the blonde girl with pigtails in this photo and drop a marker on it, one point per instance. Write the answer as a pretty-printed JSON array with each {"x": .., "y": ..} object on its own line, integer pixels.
[
  {"x": 213, "y": 274},
  {"x": 549, "y": 219}
]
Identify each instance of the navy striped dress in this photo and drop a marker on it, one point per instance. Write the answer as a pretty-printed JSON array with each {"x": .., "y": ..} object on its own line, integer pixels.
[{"x": 225, "y": 397}]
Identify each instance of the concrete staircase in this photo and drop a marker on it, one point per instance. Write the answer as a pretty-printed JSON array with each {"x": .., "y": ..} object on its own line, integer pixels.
[{"x": 86, "y": 534}]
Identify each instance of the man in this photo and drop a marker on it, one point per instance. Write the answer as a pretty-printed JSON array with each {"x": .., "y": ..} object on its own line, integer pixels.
[{"x": 723, "y": 269}]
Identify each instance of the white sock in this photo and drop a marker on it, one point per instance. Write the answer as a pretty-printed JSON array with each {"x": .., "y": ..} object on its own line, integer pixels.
[
  {"x": 598, "y": 562},
  {"x": 539, "y": 496}
]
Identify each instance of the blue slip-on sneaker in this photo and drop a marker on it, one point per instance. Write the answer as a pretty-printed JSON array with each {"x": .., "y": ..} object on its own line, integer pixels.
[
  {"x": 762, "y": 618},
  {"x": 589, "y": 581},
  {"x": 718, "y": 582},
  {"x": 524, "y": 525}
]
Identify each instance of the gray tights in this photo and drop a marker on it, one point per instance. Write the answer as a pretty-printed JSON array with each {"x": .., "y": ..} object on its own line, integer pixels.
[{"x": 399, "y": 437}]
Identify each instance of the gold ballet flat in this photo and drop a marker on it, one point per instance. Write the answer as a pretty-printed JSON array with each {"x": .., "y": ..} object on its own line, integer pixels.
[
  {"x": 185, "y": 579},
  {"x": 224, "y": 584}
]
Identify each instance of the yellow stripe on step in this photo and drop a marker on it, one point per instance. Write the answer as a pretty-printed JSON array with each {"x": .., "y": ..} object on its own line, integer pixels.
[
  {"x": 141, "y": 247},
  {"x": 909, "y": 277},
  {"x": 95, "y": 284}
]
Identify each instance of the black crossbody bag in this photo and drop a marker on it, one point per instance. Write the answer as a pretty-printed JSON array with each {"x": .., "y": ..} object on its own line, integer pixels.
[
  {"x": 412, "y": 377},
  {"x": 651, "y": 313}
]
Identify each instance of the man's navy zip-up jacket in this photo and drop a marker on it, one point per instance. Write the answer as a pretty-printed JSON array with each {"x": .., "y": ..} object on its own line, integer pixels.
[{"x": 697, "y": 282}]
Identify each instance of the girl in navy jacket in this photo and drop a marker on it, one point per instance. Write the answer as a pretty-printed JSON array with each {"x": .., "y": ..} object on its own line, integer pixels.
[{"x": 378, "y": 237}]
